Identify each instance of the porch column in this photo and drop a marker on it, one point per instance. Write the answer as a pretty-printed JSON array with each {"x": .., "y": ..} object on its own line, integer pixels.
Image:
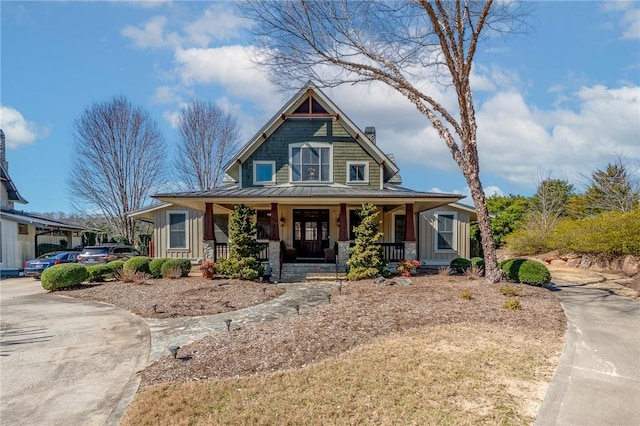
[
  {"x": 209, "y": 239},
  {"x": 410, "y": 251},
  {"x": 274, "y": 243},
  {"x": 343, "y": 240}
]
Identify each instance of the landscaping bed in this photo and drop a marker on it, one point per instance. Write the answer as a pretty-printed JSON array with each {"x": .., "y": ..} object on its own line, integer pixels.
[{"x": 189, "y": 296}]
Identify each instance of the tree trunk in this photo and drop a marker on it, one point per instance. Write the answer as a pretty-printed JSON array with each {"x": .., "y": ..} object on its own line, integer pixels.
[{"x": 491, "y": 272}]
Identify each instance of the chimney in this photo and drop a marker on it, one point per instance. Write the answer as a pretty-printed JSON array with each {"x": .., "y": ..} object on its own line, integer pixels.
[
  {"x": 3, "y": 152},
  {"x": 370, "y": 132}
]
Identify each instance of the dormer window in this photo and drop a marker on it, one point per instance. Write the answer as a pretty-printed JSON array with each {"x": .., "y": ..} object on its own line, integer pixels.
[{"x": 310, "y": 162}]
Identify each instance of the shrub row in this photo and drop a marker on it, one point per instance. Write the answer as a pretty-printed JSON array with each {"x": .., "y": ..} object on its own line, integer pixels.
[
  {"x": 460, "y": 264},
  {"x": 70, "y": 274}
]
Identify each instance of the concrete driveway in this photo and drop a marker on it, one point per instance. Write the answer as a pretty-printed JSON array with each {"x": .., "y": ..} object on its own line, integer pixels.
[
  {"x": 64, "y": 361},
  {"x": 597, "y": 381}
]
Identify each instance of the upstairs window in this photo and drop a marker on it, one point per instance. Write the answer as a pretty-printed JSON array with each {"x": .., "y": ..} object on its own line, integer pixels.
[
  {"x": 446, "y": 232},
  {"x": 310, "y": 163},
  {"x": 264, "y": 172},
  {"x": 357, "y": 172}
]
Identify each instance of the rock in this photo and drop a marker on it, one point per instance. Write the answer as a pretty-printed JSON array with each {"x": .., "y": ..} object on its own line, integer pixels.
[
  {"x": 380, "y": 280},
  {"x": 403, "y": 281},
  {"x": 585, "y": 262},
  {"x": 557, "y": 262},
  {"x": 630, "y": 265},
  {"x": 574, "y": 262}
]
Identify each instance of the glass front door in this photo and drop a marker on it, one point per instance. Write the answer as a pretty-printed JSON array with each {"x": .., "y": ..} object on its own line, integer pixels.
[{"x": 311, "y": 232}]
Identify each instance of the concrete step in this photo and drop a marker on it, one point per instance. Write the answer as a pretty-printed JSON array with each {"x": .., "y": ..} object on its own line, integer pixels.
[{"x": 298, "y": 272}]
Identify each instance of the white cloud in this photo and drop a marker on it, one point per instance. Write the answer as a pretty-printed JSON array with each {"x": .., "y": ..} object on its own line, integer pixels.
[
  {"x": 18, "y": 131},
  {"x": 152, "y": 34},
  {"x": 219, "y": 22},
  {"x": 630, "y": 20}
]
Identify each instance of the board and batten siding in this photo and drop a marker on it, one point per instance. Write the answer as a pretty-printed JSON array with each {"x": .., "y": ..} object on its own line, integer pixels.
[
  {"x": 195, "y": 231},
  {"x": 428, "y": 235},
  {"x": 11, "y": 255},
  {"x": 300, "y": 130}
]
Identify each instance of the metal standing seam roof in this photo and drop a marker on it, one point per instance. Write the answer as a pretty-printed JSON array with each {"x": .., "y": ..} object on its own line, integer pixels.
[
  {"x": 297, "y": 191},
  {"x": 38, "y": 222}
]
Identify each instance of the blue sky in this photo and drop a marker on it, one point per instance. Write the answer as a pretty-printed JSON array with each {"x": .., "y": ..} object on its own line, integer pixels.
[{"x": 560, "y": 101}]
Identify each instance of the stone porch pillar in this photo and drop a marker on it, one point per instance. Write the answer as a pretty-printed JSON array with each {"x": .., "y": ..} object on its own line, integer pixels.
[
  {"x": 209, "y": 238},
  {"x": 274, "y": 243},
  {"x": 343, "y": 240},
  {"x": 410, "y": 249}
]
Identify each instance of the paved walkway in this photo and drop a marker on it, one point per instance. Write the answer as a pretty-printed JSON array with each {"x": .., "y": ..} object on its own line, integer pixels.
[
  {"x": 184, "y": 330},
  {"x": 597, "y": 381},
  {"x": 64, "y": 361}
]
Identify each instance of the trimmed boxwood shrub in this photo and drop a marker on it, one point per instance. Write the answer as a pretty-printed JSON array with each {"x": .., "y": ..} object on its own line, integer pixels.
[
  {"x": 247, "y": 268},
  {"x": 477, "y": 261},
  {"x": 98, "y": 273},
  {"x": 526, "y": 271},
  {"x": 183, "y": 264},
  {"x": 460, "y": 264},
  {"x": 138, "y": 264},
  {"x": 64, "y": 275},
  {"x": 155, "y": 266},
  {"x": 115, "y": 265}
]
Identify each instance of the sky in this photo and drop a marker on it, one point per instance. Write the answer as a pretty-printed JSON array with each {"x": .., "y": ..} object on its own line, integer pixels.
[{"x": 559, "y": 101}]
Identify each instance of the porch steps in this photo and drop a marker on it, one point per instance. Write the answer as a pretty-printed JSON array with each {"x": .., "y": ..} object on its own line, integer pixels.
[{"x": 299, "y": 272}]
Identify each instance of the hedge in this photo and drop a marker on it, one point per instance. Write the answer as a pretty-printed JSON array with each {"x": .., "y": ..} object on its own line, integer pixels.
[
  {"x": 63, "y": 275},
  {"x": 526, "y": 271},
  {"x": 97, "y": 273}
]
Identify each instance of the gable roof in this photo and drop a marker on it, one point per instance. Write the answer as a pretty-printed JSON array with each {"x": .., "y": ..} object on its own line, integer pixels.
[
  {"x": 12, "y": 191},
  {"x": 232, "y": 168},
  {"x": 37, "y": 221}
]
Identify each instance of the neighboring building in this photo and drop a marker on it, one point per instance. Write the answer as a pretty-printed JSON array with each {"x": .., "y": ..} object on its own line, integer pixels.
[
  {"x": 20, "y": 232},
  {"x": 307, "y": 172}
]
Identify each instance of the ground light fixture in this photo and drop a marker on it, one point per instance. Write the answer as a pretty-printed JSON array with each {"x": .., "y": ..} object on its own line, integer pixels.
[
  {"x": 297, "y": 308},
  {"x": 174, "y": 350},
  {"x": 154, "y": 307},
  {"x": 228, "y": 323},
  {"x": 340, "y": 287},
  {"x": 329, "y": 297}
]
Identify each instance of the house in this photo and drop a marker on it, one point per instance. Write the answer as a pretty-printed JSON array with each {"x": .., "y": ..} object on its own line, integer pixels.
[
  {"x": 21, "y": 232},
  {"x": 306, "y": 173}
]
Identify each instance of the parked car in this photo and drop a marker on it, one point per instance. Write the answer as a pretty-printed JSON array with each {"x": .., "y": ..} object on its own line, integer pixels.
[
  {"x": 105, "y": 253},
  {"x": 33, "y": 268}
]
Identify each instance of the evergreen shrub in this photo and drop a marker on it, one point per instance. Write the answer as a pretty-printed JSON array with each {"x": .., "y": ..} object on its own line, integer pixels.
[
  {"x": 460, "y": 264},
  {"x": 155, "y": 266},
  {"x": 99, "y": 273},
  {"x": 63, "y": 275},
  {"x": 526, "y": 271},
  {"x": 183, "y": 264},
  {"x": 138, "y": 264},
  {"x": 477, "y": 261},
  {"x": 366, "y": 258}
]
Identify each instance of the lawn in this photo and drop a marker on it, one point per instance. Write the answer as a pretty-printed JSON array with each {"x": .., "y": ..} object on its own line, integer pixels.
[{"x": 373, "y": 354}]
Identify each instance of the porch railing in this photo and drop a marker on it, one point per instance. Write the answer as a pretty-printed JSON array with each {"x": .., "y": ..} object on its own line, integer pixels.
[
  {"x": 392, "y": 252},
  {"x": 221, "y": 251}
]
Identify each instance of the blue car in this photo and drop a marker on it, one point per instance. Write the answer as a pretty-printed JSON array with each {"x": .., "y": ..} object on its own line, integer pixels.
[{"x": 34, "y": 268}]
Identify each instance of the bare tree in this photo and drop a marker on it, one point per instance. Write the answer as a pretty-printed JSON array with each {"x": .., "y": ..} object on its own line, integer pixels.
[
  {"x": 548, "y": 205},
  {"x": 118, "y": 160},
  {"x": 208, "y": 138},
  {"x": 406, "y": 45}
]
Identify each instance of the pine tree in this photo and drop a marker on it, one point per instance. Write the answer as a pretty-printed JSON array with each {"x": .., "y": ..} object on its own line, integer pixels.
[{"x": 366, "y": 257}]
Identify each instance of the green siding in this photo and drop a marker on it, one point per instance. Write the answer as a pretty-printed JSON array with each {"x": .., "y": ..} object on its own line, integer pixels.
[{"x": 297, "y": 130}]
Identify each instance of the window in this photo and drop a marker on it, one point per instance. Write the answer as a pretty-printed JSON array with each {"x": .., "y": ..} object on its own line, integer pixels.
[
  {"x": 446, "y": 239},
  {"x": 400, "y": 223},
  {"x": 177, "y": 230},
  {"x": 357, "y": 172},
  {"x": 310, "y": 163},
  {"x": 264, "y": 172},
  {"x": 264, "y": 224},
  {"x": 23, "y": 229}
]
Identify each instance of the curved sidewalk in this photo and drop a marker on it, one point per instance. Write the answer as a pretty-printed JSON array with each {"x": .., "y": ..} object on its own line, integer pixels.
[
  {"x": 184, "y": 330},
  {"x": 597, "y": 381}
]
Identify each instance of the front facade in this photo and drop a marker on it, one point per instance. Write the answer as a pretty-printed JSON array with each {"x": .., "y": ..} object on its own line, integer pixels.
[{"x": 306, "y": 173}]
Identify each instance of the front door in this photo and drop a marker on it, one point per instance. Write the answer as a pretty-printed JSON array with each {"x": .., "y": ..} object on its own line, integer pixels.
[{"x": 310, "y": 232}]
